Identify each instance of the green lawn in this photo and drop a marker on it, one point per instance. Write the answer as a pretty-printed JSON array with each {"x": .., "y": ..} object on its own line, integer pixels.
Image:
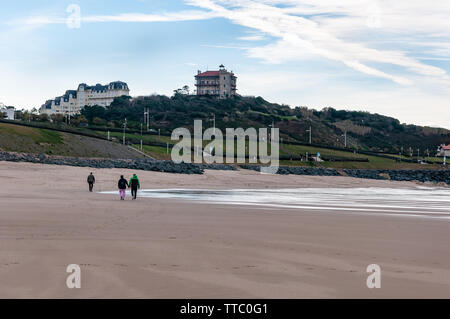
[
  {"x": 281, "y": 117},
  {"x": 154, "y": 151},
  {"x": 375, "y": 162},
  {"x": 148, "y": 138},
  {"x": 36, "y": 135}
]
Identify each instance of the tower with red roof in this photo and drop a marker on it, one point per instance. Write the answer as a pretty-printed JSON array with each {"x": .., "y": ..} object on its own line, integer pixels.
[{"x": 220, "y": 83}]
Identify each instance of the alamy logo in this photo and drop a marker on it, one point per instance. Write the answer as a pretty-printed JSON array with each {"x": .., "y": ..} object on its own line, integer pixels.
[
  {"x": 374, "y": 279},
  {"x": 74, "y": 279},
  {"x": 374, "y": 15},
  {"x": 241, "y": 146},
  {"x": 74, "y": 19}
]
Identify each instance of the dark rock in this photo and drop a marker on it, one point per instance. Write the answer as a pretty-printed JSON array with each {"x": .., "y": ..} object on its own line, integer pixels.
[{"x": 434, "y": 176}]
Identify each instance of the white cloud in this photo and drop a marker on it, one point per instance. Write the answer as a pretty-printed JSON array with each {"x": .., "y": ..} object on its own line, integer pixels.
[
  {"x": 407, "y": 104},
  {"x": 38, "y": 21},
  {"x": 319, "y": 35},
  {"x": 252, "y": 35},
  {"x": 323, "y": 28},
  {"x": 138, "y": 17}
]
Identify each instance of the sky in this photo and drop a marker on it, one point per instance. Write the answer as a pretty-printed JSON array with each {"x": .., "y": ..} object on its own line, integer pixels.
[{"x": 382, "y": 56}]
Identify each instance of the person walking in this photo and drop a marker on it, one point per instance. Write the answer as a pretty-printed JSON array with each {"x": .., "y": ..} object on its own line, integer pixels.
[
  {"x": 91, "y": 181},
  {"x": 134, "y": 185},
  {"x": 122, "y": 184}
]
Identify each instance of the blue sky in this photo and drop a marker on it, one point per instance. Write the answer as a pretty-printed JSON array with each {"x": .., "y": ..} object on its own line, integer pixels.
[{"x": 381, "y": 56}]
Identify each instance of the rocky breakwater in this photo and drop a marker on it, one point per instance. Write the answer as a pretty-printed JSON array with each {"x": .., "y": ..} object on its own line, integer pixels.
[
  {"x": 298, "y": 170},
  {"x": 424, "y": 176},
  {"x": 431, "y": 176},
  {"x": 137, "y": 164}
]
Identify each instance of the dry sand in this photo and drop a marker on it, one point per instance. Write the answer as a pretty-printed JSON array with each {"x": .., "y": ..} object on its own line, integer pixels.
[{"x": 173, "y": 249}]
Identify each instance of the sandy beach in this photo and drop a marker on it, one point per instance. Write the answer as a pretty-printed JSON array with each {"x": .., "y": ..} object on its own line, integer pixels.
[{"x": 160, "y": 248}]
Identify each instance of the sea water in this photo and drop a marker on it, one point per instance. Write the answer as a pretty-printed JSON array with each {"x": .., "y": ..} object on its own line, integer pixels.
[{"x": 419, "y": 201}]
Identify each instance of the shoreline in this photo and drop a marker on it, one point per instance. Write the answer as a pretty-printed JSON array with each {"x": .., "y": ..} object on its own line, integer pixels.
[
  {"x": 159, "y": 248},
  {"x": 440, "y": 177}
]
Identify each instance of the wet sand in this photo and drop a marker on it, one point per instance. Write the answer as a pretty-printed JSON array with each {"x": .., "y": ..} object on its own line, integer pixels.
[{"x": 161, "y": 248}]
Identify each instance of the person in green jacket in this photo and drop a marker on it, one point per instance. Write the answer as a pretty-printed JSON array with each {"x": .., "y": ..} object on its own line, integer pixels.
[{"x": 134, "y": 185}]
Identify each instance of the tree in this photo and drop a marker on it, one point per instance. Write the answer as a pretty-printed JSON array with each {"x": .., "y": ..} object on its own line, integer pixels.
[
  {"x": 177, "y": 92},
  {"x": 90, "y": 112},
  {"x": 19, "y": 115},
  {"x": 185, "y": 90},
  {"x": 57, "y": 118},
  {"x": 82, "y": 119},
  {"x": 43, "y": 117},
  {"x": 98, "y": 121}
]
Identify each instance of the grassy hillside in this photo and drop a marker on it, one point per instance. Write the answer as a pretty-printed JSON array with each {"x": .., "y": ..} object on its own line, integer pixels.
[
  {"x": 19, "y": 138},
  {"x": 16, "y": 138},
  {"x": 343, "y": 159},
  {"x": 364, "y": 130}
]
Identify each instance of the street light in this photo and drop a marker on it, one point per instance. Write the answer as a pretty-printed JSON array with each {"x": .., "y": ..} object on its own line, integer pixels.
[
  {"x": 124, "y": 129},
  {"x": 214, "y": 123},
  {"x": 345, "y": 138},
  {"x": 141, "y": 136},
  {"x": 147, "y": 118},
  {"x": 310, "y": 134},
  {"x": 272, "y": 126}
]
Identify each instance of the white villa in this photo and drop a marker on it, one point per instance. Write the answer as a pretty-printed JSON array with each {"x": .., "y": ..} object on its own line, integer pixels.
[
  {"x": 9, "y": 111},
  {"x": 74, "y": 100}
]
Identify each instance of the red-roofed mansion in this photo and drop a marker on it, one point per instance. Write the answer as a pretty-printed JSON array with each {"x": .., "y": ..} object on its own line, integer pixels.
[{"x": 217, "y": 83}]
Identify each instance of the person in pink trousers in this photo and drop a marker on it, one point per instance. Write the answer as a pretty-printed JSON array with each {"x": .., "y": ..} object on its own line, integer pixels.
[{"x": 122, "y": 184}]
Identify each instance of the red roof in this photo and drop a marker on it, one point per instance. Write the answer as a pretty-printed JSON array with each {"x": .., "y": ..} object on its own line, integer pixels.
[{"x": 209, "y": 73}]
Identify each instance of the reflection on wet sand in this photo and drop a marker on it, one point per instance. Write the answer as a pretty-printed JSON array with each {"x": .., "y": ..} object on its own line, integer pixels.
[{"x": 420, "y": 201}]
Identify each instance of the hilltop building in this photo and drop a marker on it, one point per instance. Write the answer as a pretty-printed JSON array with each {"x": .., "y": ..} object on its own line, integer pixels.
[
  {"x": 8, "y": 110},
  {"x": 221, "y": 83},
  {"x": 74, "y": 100}
]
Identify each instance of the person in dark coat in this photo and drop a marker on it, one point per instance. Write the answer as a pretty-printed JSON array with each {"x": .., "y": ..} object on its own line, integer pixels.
[
  {"x": 91, "y": 181},
  {"x": 122, "y": 184}
]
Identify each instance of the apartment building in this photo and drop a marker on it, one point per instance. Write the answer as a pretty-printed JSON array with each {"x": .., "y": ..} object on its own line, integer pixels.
[{"x": 74, "y": 100}]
